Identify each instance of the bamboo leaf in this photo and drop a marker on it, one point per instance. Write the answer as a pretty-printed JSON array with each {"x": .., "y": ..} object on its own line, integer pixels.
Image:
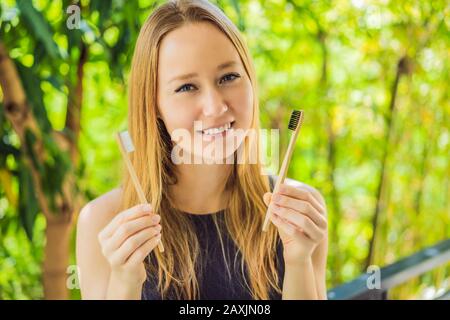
[
  {"x": 32, "y": 87},
  {"x": 28, "y": 203},
  {"x": 38, "y": 26}
]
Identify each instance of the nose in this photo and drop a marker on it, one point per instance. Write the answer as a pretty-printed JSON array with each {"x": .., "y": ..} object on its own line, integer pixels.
[{"x": 213, "y": 103}]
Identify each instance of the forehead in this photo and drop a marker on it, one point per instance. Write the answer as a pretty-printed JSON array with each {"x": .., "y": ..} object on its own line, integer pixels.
[{"x": 194, "y": 47}]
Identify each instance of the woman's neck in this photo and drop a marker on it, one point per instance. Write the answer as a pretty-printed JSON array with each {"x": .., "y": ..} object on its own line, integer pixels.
[{"x": 201, "y": 187}]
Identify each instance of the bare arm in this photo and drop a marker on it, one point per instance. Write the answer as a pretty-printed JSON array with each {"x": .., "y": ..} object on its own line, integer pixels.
[
  {"x": 319, "y": 256},
  {"x": 299, "y": 212},
  {"x": 94, "y": 270},
  {"x": 319, "y": 259},
  {"x": 299, "y": 282},
  {"x": 111, "y": 248}
]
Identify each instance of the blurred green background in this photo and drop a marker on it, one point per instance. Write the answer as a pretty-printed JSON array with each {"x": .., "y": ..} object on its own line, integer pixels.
[{"x": 372, "y": 77}]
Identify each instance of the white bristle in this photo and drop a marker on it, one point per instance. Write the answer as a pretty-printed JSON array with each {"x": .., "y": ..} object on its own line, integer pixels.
[{"x": 126, "y": 141}]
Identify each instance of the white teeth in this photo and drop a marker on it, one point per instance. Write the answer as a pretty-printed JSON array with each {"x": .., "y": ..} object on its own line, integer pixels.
[{"x": 212, "y": 131}]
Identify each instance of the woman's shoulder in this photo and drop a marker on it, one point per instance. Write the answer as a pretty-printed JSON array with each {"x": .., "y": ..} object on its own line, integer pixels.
[{"x": 98, "y": 212}]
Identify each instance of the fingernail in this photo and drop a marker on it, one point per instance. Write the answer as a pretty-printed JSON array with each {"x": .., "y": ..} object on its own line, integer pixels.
[
  {"x": 276, "y": 197},
  {"x": 147, "y": 207},
  {"x": 155, "y": 218}
]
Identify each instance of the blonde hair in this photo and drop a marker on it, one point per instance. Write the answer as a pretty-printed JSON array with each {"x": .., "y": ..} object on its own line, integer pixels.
[{"x": 178, "y": 265}]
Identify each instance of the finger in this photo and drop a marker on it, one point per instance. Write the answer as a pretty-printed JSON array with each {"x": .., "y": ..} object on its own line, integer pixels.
[
  {"x": 282, "y": 225},
  {"x": 303, "y": 194},
  {"x": 267, "y": 197},
  {"x": 286, "y": 227},
  {"x": 299, "y": 220},
  {"x": 121, "y": 255},
  {"x": 129, "y": 214},
  {"x": 129, "y": 228},
  {"x": 302, "y": 206},
  {"x": 143, "y": 251}
]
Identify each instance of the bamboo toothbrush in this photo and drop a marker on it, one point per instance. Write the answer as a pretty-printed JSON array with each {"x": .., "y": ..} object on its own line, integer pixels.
[
  {"x": 126, "y": 146},
  {"x": 295, "y": 123}
]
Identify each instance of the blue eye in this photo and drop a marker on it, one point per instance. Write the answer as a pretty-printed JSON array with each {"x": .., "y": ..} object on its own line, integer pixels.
[
  {"x": 185, "y": 88},
  {"x": 230, "y": 77}
]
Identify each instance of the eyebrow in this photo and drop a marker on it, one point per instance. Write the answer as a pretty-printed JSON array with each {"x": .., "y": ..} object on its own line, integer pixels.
[{"x": 192, "y": 75}]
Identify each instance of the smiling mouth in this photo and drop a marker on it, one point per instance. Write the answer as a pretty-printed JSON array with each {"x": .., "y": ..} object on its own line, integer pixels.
[{"x": 217, "y": 131}]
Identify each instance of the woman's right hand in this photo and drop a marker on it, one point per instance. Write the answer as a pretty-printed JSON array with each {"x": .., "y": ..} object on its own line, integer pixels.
[{"x": 127, "y": 240}]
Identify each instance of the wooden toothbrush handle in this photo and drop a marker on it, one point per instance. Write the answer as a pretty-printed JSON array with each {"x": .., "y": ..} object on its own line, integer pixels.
[
  {"x": 283, "y": 172},
  {"x": 136, "y": 183},
  {"x": 140, "y": 192}
]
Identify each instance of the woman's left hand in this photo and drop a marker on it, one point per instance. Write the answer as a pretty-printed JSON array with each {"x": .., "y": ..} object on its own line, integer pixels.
[{"x": 300, "y": 219}]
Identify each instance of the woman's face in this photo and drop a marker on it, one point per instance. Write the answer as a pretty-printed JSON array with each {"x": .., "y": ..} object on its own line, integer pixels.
[{"x": 201, "y": 79}]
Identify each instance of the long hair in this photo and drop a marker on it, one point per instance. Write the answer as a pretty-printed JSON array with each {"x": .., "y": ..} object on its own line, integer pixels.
[{"x": 177, "y": 267}]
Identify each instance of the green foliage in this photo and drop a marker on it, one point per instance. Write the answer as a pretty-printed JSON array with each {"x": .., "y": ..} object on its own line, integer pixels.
[
  {"x": 38, "y": 26},
  {"x": 335, "y": 60},
  {"x": 32, "y": 86},
  {"x": 28, "y": 205},
  {"x": 20, "y": 267}
]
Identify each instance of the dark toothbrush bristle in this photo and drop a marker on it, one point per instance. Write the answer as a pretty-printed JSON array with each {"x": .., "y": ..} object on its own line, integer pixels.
[{"x": 294, "y": 120}]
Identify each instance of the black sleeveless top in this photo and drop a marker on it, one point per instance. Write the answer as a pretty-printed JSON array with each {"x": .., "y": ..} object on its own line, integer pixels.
[{"x": 216, "y": 281}]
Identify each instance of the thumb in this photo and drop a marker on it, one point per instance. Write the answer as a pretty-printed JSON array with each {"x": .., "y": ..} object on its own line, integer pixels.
[{"x": 267, "y": 197}]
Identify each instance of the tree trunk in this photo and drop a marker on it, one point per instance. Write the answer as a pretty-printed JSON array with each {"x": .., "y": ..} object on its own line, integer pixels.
[
  {"x": 59, "y": 221},
  {"x": 331, "y": 160},
  {"x": 56, "y": 259},
  {"x": 403, "y": 67}
]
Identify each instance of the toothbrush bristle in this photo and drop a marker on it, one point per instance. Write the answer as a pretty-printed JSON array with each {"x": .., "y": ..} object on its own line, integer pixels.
[
  {"x": 126, "y": 141},
  {"x": 295, "y": 120}
]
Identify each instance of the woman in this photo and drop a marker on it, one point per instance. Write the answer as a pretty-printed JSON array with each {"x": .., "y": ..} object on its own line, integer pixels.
[{"x": 191, "y": 65}]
